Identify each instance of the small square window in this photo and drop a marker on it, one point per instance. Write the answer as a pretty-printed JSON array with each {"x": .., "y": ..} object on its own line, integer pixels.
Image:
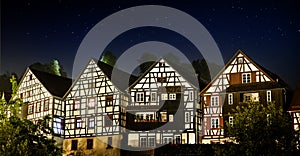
[
  {"x": 172, "y": 96},
  {"x": 109, "y": 100},
  {"x": 164, "y": 97},
  {"x": 246, "y": 78}
]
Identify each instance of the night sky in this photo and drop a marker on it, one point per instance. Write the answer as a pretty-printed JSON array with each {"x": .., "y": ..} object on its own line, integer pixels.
[{"x": 40, "y": 31}]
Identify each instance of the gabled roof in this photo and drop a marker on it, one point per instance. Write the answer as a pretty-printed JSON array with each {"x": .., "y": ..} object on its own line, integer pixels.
[
  {"x": 273, "y": 77},
  {"x": 119, "y": 82},
  {"x": 186, "y": 74},
  {"x": 295, "y": 105},
  {"x": 56, "y": 85}
]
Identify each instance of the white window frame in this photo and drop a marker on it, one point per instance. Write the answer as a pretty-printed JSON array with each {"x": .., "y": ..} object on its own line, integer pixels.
[
  {"x": 214, "y": 123},
  {"x": 214, "y": 100},
  {"x": 79, "y": 123},
  {"x": 164, "y": 96},
  {"x": 140, "y": 97},
  {"x": 269, "y": 96},
  {"x": 76, "y": 104},
  {"x": 91, "y": 122},
  {"x": 151, "y": 142},
  {"x": 230, "y": 98},
  {"x": 143, "y": 142},
  {"x": 246, "y": 78},
  {"x": 57, "y": 126},
  {"x": 230, "y": 120},
  {"x": 191, "y": 95},
  {"x": 91, "y": 102},
  {"x": 153, "y": 97},
  {"x": 172, "y": 96},
  {"x": 30, "y": 108}
]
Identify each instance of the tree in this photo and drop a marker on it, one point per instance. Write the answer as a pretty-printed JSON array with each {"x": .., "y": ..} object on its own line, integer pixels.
[
  {"x": 261, "y": 130},
  {"x": 52, "y": 67},
  {"x": 20, "y": 136},
  {"x": 109, "y": 58}
]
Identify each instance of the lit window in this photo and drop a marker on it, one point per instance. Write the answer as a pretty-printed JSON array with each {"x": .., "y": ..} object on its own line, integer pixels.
[
  {"x": 46, "y": 104},
  {"x": 164, "y": 96},
  {"x": 151, "y": 141},
  {"x": 214, "y": 101},
  {"x": 230, "y": 99},
  {"x": 139, "y": 97},
  {"x": 57, "y": 126},
  {"x": 163, "y": 116},
  {"x": 89, "y": 143},
  {"x": 153, "y": 97},
  {"x": 171, "y": 118},
  {"x": 78, "y": 123},
  {"x": 91, "y": 102},
  {"x": 172, "y": 96},
  {"x": 269, "y": 97},
  {"x": 214, "y": 123},
  {"x": 109, "y": 100},
  {"x": 230, "y": 120},
  {"x": 30, "y": 109},
  {"x": 246, "y": 77},
  {"x": 251, "y": 97},
  {"x": 91, "y": 122}
]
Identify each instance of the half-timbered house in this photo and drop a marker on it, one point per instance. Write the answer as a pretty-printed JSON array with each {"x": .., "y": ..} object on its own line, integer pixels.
[
  {"x": 294, "y": 111},
  {"x": 95, "y": 112},
  {"x": 162, "y": 108},
  {"x": 241, "y": 80},
  {"x": 42, "y": 93}
]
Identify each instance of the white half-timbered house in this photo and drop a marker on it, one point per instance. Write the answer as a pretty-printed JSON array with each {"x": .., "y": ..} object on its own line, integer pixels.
[
  {"x": 241, "y": 80},
  {"x": 162, "y": 107},
  {"x": 294, "y": 111},
  {"x": 42, "y": 93},
  {"x": 95, "y": 112}
]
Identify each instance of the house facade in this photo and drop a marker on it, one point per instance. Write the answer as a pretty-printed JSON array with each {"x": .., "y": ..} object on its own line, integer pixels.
[
  {"x": 294, "y": 111},
  {"x": 240, "y": 81},
  {"x": 95, "y": 113},
  {"x": 162, "y": 108},
  {"x": 42, "y": 93}
]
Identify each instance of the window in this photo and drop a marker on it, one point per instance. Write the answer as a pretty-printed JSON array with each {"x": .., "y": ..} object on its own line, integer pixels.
[
  {"x": 168, "y": 140},
  {"x": 28, "y": 93},
  {"x": 153, "y": 97},
  {"x": 171, "y": 118},
  {"x": 109, "y": 142},
  {"x": 109, "y": 100},
  {"x": 240, "y": 60},
  {"x": 108, "y": 120},
  {"x": 246, "y": 77},
  {"x": 251, "y": 97},
  {"x": 187, "y": 117},
  {"x": 162, "y": 79},
  {"x": 172, "y": 96},
  {"x": 74, "y": 144},
  {"x": 30, "y": 109},
  {"x": 91, "y": 122},
  {"x": 214, "y": 101},
  {"x": 151, "y": 142},
  {"x": 163, "y": 116},
  {"x": 57, "y": 126},
  {"x": 89, "y": 143},
  {"x": 191, "y": 96},
  {"x": 230, "y": 120},
  {"x": 38, "y": 107},
  {"x": 91, "y": 102},
  {"x": 78, "y": 123},
  {"x": 161, "y": 64},
  {"x": 30, "y": 77},
  {"x": 21, "y": 95},
  {"x": 139, "y": 97},
  {"x": 269, "y": 97},
  {"x": 76, "y": 104},
  {"x": 230, "y": 99},
  {"x": 143, "y": 142},
  {"x": 215, "y": 123},
  {"x": 177, "y": 139},
  {"x": 164, "y": 96},
  {"x": 46, "y": 104}
]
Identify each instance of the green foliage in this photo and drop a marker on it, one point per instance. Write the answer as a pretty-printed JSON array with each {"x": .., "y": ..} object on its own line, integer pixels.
[
  {"x": 261, "y": 130},
  {"x": 21, "y": 137},
  {"x": 109, "y": 58},
  {"x": 52, "y": 67}
]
